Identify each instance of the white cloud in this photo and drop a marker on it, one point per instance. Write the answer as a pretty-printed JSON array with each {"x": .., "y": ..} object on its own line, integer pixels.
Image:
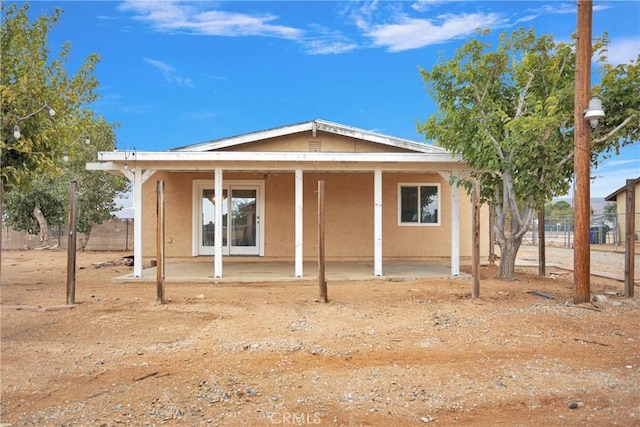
[
  {"x": 329, "y": 47},
  {"x": 169, "y": 73},
  {"x": 327, "y": 41},
  {"x": 559, "y": 8},
  {"x": 622, "y": 51},
  {"x": 172, "y": 16},
  {"x": 424, "y": 5},
  {"x": 613, "y": 172},
  {"x": 410, "y": 33}
]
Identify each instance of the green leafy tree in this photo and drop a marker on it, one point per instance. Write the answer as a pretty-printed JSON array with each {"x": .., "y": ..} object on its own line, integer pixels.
[
  {"x": 508, "y": 112},
  {"x": 97, "y": 190},
  {"x": 611, "y": 211},
  {"x": 558, "y": 209},
  {"x": 34, "y": 209},
  {"x": 46, "y": 201},
  {"x": 49, "y": 151},
  {"x": 33, "y": 84}
]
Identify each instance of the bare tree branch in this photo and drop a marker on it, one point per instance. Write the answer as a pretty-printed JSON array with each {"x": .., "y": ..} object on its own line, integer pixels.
[{"x": 610, "y": 135}]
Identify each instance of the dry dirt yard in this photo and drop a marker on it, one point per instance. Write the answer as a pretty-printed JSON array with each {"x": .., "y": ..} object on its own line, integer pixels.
[{"x": 379, "y": 353}]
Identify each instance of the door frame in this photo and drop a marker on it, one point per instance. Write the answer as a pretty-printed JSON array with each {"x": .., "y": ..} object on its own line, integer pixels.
[{"x": 196, "y": 227}]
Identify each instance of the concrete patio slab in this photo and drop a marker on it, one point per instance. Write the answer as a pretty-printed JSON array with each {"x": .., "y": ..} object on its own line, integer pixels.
[{"x": 201, "y": 271}]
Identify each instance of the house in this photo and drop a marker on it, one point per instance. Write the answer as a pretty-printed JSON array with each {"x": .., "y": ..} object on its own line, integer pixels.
[
  {"x": 256, "y": 195},
  {"x": 620, "y": 198}
]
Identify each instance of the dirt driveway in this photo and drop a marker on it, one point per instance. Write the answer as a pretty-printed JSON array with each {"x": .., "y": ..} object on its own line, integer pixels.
[{"x": 379, "y": 353}]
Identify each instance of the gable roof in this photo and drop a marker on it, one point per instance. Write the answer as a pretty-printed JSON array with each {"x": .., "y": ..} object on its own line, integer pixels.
[
  {"x": 613, "y": 196},
  {"x": 314, "y": 126},
  {"x": 413, "y": 156}
]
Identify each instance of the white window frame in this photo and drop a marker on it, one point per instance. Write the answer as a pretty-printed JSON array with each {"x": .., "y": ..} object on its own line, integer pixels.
[
  {"x": 199, "y": 185},
  {"x": 418, "y": 185}
]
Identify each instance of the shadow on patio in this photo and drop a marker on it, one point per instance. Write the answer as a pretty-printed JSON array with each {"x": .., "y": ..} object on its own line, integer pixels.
[{"x": 201, "y": 271}]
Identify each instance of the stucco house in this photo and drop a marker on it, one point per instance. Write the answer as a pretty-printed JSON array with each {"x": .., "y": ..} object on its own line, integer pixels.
[
  {"x": 620, "y": 198},
  {"x": 255, "y": 195}
]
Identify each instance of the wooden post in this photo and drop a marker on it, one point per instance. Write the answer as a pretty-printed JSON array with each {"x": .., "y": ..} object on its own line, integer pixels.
[
  {"x": 542, "y": 258},
  {"x": 582, "y": 157},
  {"x": 1, "y": 222},
  {"x": 160, "y": 244},
  {"x": 629, "y": 239},
  {"x": 322, "y": 283},
  {"x": 71, "y": 246},
  {"x": 475, "y": 252}
]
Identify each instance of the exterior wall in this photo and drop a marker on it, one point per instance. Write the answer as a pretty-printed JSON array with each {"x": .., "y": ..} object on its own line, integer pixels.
[
  {"x": 323, "y": 142},
  {"x": 621, "y": 209},
  {"x": 348, "y": 222}
]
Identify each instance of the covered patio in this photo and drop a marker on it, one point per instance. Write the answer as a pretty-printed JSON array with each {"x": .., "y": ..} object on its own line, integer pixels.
[{"x": 201, "y": 270}]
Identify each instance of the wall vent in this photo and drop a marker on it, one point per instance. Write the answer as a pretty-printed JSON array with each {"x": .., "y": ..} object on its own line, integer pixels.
[{"x": 315, "y": 146}]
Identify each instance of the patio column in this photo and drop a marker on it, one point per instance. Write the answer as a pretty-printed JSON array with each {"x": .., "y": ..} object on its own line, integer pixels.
[
  {"x": 217, "y": 243},
  {"x": 455, "y": 231},
  {"x": 298, "y": 222},
  {"x": 377, "y": 222},
  {"x": 137, "y": 223}
]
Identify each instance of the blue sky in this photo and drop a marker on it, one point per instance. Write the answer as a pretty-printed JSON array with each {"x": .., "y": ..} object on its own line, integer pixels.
[{"x": 180, "y": 73}]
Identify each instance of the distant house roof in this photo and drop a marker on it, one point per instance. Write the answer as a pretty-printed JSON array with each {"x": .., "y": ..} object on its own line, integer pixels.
[{"x": 613, "y": 196}]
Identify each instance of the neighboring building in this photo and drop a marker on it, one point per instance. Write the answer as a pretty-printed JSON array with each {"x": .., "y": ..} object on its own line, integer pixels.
[
  {"x": 620, "y": 198},
  {"x": 385, "y": 198}
]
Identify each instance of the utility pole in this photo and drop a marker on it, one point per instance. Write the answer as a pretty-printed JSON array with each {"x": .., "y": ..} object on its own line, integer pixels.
[{"x": 582, "y": 156}]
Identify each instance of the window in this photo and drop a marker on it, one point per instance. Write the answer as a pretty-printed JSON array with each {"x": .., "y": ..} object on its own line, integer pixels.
[{"x": 419, "y": 204}]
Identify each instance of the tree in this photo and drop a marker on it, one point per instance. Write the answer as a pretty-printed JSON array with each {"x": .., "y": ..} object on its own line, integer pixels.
[
  {"x": 46, "y": 201},
  {"x": 508, "y": 113},
  {"x": 33, "y": 166},
  {"x": 611, "y": 211},
  {"x": 96, "y": 190},
  {"x": 31, "y": 84},
  {"x": 34, "y": 209},
  {"x": 557, "y": 209}
]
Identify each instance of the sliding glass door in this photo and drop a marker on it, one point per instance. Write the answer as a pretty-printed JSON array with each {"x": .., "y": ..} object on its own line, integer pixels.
[{"x": 241, "y": 232}]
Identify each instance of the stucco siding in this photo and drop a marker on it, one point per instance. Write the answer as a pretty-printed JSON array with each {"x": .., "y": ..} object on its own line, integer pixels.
[
  {"x": 323, "y": 142},
  {"x": 349, "y": 216},
  {"x": 621, "y": 208}
]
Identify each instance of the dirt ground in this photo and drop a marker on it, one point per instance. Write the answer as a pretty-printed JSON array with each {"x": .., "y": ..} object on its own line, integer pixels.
[{"x": 379, "y": 353}]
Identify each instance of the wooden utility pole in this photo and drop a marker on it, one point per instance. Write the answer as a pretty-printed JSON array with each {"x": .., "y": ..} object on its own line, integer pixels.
[
  {"x": 630, "y": 239},
  {"x": 160, "y": 244},
  {"x": 72, "y": 224},
  {"x": 475, "y": 250},
  {"x": 322, "y": 283},
  {"x": 582, "y": 157}
]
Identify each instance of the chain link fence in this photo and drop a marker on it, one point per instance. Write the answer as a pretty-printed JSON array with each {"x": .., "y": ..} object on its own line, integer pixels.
[
  {"x": 117, "y": 234},
  {"x": 605, "y": 229},
  {"x": 112, "y": 235}
]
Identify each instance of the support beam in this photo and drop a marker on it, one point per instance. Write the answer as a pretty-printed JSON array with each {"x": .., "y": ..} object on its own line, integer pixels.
[
  {"x": 217, "y": 251},
  {"x": 322, "y": 282},
  {"x": 542, "y": 257},
  {"x": 137, "y": 223},
  {"x": 475, "y": 250},
  {"x": 377, "y": 222},
  {"x": 299, "y": 231},
  {"x": 71, "y": 246},
  {"x": 455, "y": 230},
  {"x": 160, "y": 243}
]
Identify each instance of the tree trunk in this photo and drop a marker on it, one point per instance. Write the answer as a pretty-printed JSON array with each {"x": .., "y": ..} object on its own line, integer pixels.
[
  {"x": 508, "y": 251},
  {"x": 87, "y": 234},
  {"x": 42, "y": 222}
]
